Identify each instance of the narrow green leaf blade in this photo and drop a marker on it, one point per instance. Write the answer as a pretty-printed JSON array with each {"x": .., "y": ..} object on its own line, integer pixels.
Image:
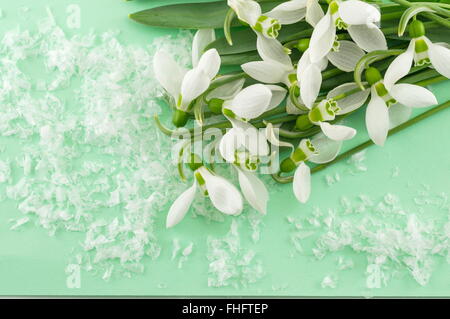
[{"x": 184, "y": 16}]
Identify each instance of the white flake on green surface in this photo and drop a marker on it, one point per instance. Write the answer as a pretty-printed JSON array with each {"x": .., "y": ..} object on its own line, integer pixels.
[{"x": 229, "y": 263}]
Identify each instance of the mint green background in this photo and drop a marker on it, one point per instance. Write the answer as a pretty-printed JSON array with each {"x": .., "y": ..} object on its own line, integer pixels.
[{"x": 32, "y": 263}]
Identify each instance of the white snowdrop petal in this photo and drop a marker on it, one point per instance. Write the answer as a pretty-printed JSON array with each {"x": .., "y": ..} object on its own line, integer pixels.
[
  {"x": 168, "y": 73},
  {"x": 314, "y": 12},
  {"x": 273, "y": 50},
  {"x": 440, "y": 58},
  {"x": 227, "y": 91},
  {"x": 210, "y": 63},
  {"x": 377, "y": 119},
  {"x": 278, "y": 95},
  {"x": 289, "y": 12},
  {"x": 229, "y": 143},
  {"x": 310, "y": 82},
  {"x": 398, "y": 114},
  {"x": 327, "y": 149},
  {"x": 351, "y": 102},
  {"x": 202, "y": 39},
  {"x": 399, "y": 67},
  {"x": 223, "y": 195},
  {"x": 322, "y": 38},
  {"x": 302, "y": 183},
  {"x": 358, "y": 12},
  {"x": 180, "y": 206},
  {"x": 368, "y": 38},
  {"x": 254, "y": 190},
  {"x": 347, "y": 57},
  {"x": 413, "y": 95},
  {"x": 337, "y": 132},
  {"x": 252, "y": 101},
  {"x": 265, "y": 71},
  {"x": 195, "y": 82},
  {"x": 247, "y": 11}
]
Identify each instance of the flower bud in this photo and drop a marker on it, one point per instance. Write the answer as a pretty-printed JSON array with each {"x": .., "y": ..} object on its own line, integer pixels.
[
  {"x": 416, "y": 29},
  {"x": 303, "y": 44},
  {"x": 373, "y": 75},
  {"x": 215, "y": 105},
  {"x": 303, "y": 123},
  {"x": 179, "y": 118},
  {"x": 287, "y": 165}
]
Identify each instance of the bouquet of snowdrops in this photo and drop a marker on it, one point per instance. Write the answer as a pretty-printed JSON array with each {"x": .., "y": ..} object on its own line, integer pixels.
[{"x": 299, "y": 67}]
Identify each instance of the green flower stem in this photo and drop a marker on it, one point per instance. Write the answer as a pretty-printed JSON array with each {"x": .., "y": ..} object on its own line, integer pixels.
[
  {"x": 360, "y": 147},
  {"x": 431, "y": 16}
]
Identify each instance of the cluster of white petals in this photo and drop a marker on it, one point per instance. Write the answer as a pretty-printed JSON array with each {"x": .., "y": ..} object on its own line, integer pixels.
[{"x": 342, "y": 36}]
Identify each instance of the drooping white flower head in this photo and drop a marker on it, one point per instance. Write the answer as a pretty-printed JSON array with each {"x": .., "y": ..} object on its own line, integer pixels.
[
  {"x": 293, "y": 11},
  {"x": 276, "y": 65},
  {"x": 357, "y": 17},
  {"x": 320, "y": 149},
  {"x": 253, "y": 189},
  {"x": 421, "y": 51},
  {"x": 183, "y": 85},
  {"x": 253, "y": 101},
  {"x": 341, "y": 100},
  {"x": 390, "y": 102},
  {"x": 223, "y": 195},
  {"x": 249, "y": 11}
]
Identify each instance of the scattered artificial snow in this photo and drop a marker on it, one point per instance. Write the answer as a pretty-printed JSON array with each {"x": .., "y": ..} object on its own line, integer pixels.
[
  {"x": 329, "y": 281},
  {"x": 393, "y": 238},
  {"x": 231, "y": 264},
  {"x": 90, "y": 158},
  {"x": 357, "y": 162}
]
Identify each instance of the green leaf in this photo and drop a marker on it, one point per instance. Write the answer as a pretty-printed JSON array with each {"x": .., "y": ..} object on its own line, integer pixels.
[{"x": 191, "y": 15}]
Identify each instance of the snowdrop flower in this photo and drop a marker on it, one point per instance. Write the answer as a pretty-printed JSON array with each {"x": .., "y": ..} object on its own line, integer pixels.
[
  {"x": 421, "y": 51},
  {"x": 344, "y": 55},
  {"x": 253, "y": 189},
  {"x": 253, "y": 101},
  {"x": 296, "y": 10},
  {"x": 357, "y": 17},
  {"x": 327, "y": 110},
  {"x": 384, "y": 99},
  {"x": 185, "y": 86},
  {"x": 276, "y": 65},
  {"x": 249, "y": 11},
  {"x": 318, "y": 150},
  {"x": 223, "y": 195},
  {"x": 247, "y": 104},
  {"x": 243, "y": 137}
]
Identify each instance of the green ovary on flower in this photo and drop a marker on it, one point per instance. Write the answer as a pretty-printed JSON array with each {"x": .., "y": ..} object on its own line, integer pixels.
[
  {"x": 303, "y": 44},
  {"x": 416, "y": 29},
  {"x": 373, "y": 76},
  {"x": 303, "y": 152},
  {"x": 179, "y": 118},
  {"x": 215, "y": 105},
  {"x": 303, "y": 123}
]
